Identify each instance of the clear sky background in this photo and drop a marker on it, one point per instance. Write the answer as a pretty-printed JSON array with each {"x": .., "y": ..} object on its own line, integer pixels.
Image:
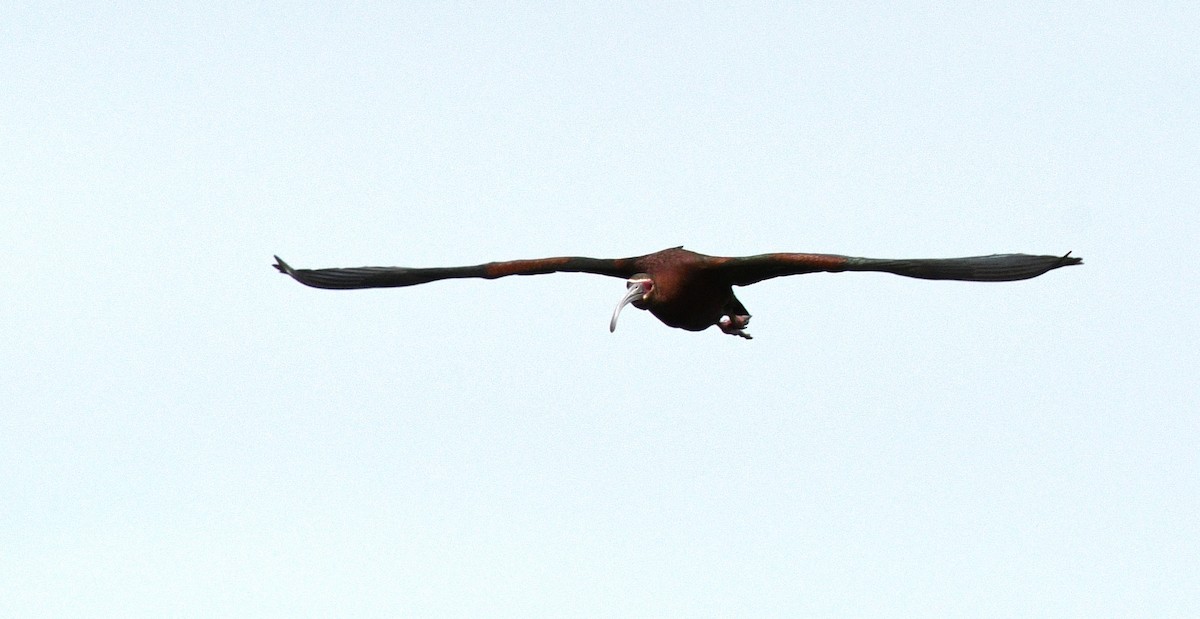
[{"x": 184, "y": 432}]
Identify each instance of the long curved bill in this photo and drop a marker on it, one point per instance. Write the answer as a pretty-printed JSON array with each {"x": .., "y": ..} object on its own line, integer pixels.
[{"x": 634, "y": 293}]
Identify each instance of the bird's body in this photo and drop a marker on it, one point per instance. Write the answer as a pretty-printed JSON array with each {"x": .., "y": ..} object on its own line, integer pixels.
[
  {"x": 687, "y": 295},
  {"x": 688, "y": 290}
]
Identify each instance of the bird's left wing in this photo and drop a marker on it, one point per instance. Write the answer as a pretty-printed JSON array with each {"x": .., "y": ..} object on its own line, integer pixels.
[
  {"x": 392, "y": 277},
  {"x": 994, "y": 268}
]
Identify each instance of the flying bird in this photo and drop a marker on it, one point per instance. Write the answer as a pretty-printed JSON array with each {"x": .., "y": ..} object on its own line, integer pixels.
[{"x": 687, "y": 290}]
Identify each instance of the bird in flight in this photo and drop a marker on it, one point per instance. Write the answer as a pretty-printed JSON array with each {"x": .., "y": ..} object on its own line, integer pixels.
[{"x": 687, "y": 290}]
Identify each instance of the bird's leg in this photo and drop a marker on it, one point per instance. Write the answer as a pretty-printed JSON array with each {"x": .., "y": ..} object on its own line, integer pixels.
[
  {"x": 735, "y": 325},
  {"x": 735, "y": 318}
]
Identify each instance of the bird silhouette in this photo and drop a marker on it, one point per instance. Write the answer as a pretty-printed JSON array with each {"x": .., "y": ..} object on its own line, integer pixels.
[{"x": 688, "y": 290}]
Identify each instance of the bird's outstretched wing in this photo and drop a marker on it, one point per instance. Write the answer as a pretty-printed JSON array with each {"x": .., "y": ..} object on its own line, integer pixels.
[
  {"x": 392, "y": 277},
  {"x": 995, "y": 268}
]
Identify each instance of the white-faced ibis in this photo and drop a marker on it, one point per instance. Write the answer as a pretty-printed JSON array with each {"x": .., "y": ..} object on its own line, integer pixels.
[{"x": 687, "y": 290}]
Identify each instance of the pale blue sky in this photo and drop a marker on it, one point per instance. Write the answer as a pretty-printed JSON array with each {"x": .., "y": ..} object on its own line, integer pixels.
[{"x": 184, "y": 432}]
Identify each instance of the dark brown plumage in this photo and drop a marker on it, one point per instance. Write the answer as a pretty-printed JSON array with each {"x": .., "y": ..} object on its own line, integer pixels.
[{"x": 688, "y": 290}]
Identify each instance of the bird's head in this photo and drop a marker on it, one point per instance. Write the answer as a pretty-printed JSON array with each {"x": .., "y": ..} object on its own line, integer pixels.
[{"x": 640, "y": 287}]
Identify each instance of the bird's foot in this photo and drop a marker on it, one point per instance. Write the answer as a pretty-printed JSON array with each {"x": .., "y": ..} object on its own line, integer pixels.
[{"x": 735, "y": 325}]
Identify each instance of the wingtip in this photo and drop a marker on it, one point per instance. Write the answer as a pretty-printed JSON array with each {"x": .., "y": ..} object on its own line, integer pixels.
[
  {"x": 1068, "y": 260},
  {"x": 282, "y": 266}
]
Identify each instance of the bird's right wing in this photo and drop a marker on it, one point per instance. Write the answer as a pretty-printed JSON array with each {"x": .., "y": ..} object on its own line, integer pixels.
[{"x": 392, "y": 277}]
